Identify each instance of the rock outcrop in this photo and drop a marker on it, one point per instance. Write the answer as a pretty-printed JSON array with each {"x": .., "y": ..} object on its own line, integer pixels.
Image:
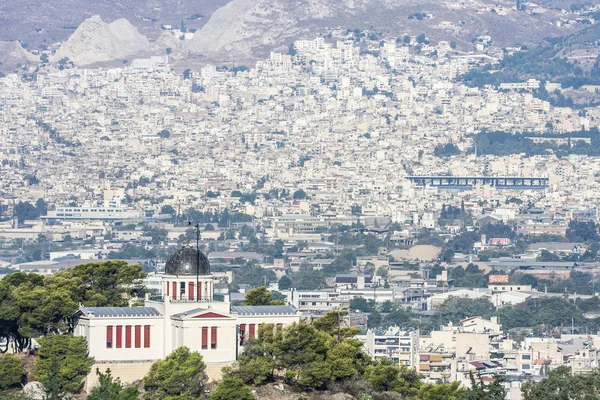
[
  {"x": 96, "y": 41},
  {"x": 243, "y": 26},
  {"x": 12, "y": 53}
]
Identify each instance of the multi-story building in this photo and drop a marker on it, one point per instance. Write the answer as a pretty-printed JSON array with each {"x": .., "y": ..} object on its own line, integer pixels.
[{"x": 401, "y": 346}]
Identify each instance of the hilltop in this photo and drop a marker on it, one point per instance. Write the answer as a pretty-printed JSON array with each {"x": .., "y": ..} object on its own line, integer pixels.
[
  {"x": 96, "y": 41},
  {"x": 237, "y": 30}
]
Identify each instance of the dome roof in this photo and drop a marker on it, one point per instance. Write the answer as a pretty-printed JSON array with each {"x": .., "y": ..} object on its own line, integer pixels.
[{"x": 185, "y": 262}]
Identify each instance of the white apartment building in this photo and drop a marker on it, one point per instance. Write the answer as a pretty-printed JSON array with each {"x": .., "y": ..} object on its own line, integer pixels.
[{"x": 402, "y": 347}]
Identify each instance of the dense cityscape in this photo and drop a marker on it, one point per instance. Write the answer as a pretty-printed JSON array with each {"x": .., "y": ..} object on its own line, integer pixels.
[{"x": 359, "y": 217}]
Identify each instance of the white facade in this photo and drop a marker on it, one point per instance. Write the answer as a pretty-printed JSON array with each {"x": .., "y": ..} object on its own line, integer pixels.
[
  {"x": 402, "y": 347},
  {"x": 92, "y": 213},
  {"x": 118, "y": 337}
]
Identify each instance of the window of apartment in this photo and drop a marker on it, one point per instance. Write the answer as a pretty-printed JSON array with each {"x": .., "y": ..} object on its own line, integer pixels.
[
  {"x": 526, "y": 357},
  {"x": 147, "y": 336},
  {"x": 213, "y": 337},
  {"x": 252, "y": 330},
  {"x": 128, "y": 336},
  {"x": 191, "y": 290},
  {"x": 109, "y": 337},
  {"x": 204, "y": 338},
  {"x": 525, "y": 366},
  {"x": 119, "y": 336},
  {"x": 138, "y": 336}
]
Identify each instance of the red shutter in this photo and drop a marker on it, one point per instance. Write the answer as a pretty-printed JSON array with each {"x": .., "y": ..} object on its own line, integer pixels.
[
  {"x": 168, "y": 289},
  {"x": 174, "y": 290},
  {"x": 199, "y": 290},
  {"x": 242, "y": 328},
  {"x": 109, "y": 337},
  {"x": 213, "y": 337},
  {"x": 204, "y": 338},
  {"x": 128, "y": 336},
  {"x": 191, "y": 290},
  {"x": 119, "y": 336},
  {"x": 252, "y": 328},
  {"x": 147, "y": 336},
  {"x": 138, "y": 336}
]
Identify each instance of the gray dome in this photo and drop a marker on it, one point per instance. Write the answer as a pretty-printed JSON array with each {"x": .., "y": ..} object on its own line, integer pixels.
[{"x": 184, "y": 262}]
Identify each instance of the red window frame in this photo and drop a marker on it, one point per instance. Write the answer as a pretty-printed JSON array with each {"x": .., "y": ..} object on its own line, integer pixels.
[
  {"x": 109, "y": 337},
  {"x": 213, "y": 337},
  {"x": 119, "y": 336},
  {"x": 146, "y": 336},
  {"x": 128, "y": 336},
  {"x": 204, "y": 338},
  {"x": 138, "y": 336}
]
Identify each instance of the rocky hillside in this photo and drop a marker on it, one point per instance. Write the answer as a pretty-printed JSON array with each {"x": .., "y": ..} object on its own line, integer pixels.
[
  {"x": 253, "y": 27},
  {"x": 12, "y": 54},
  {"x": 241, "y": 30},
  {"x": 97, "y": 41}
]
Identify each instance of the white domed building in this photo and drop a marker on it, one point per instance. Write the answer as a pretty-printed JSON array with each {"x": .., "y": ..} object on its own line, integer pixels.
[{"x": 129, "y": 339}]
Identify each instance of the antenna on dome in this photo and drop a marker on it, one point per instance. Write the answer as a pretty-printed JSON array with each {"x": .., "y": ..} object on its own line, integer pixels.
[{"x": 197, "y": 226}]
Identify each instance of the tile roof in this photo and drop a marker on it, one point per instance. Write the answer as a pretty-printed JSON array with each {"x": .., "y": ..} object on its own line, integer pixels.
[
  {"x": 263, "y": 310},
  {"x": 121, "y": 311},
  {"x": 189, "y": 312}
]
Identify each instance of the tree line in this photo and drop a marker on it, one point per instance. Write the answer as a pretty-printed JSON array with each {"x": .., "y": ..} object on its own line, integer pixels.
[{"x": 32, "y": 305}]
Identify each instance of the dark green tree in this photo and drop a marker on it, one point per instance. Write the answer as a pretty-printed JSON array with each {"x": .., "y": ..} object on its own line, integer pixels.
[
  {"x": 53, "y": 386},
  {"x": 231, "y": 388},
  {"x": 582, "y": 231},
  {"x": 168, "y": 210},
  {"x": 562, "y": 384},
  {"x": 546, "y": 256},
  {"x": 260, "y": 296},
  {"x": 11, "y": 371},
  {"x": 285, "y": 283},
  {"x": 362, "y": 304},
  {"x": 111, "y": 389},
  {"x": 181, "y": 375},
  {"x": 374, "y": 320},
  {"x": 480, "y": 391},
  {"x": 71, "y": 356},
  {"x": 299, "y": 195},
  {"x": 26, "y": 211},
  {"x": 457, "y": 308}
]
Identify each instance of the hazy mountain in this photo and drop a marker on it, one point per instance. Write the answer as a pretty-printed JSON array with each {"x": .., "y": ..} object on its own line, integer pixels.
[
  {"x": 12, "y": 53},
  {"x": 97, "y": 41},
  {"x": 232, "y": 30},
  {"x": 253, "y": 27}
]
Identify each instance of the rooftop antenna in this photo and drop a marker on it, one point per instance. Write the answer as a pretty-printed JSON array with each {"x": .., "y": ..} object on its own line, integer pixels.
[{"x": 197, "y": 226}]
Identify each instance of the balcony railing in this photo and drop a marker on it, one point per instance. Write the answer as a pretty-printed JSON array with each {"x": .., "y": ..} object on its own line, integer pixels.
[{"x": 217, "y": 298}]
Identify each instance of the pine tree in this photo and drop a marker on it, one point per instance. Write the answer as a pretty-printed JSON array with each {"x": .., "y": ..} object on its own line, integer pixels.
[{"x": 53, "y": 387}]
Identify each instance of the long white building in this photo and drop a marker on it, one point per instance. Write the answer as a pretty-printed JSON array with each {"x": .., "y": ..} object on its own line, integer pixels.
[{"x": 129, "y": 339}]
